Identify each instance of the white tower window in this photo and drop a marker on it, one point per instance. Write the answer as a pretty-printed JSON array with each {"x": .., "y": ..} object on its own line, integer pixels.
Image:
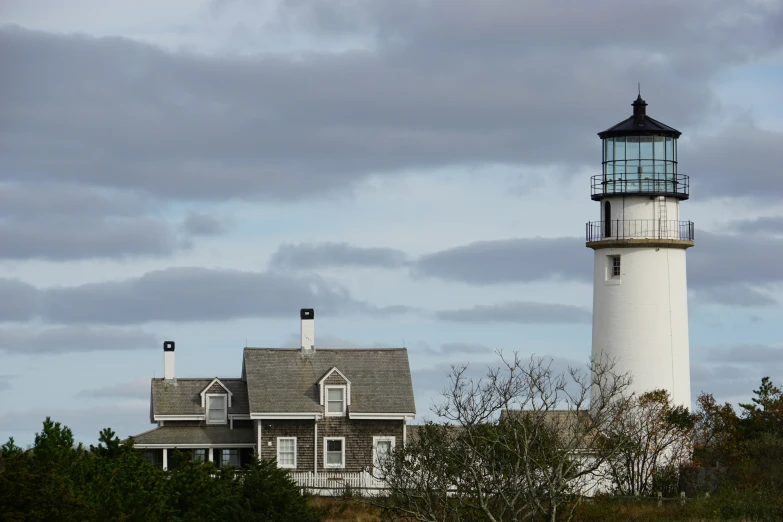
[{"x": 615, "y": 266}]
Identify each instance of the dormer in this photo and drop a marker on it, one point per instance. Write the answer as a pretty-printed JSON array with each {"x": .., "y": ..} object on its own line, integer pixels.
[
  {"x": 216, "y": 398},
  {"x": 334, "y": 390}
]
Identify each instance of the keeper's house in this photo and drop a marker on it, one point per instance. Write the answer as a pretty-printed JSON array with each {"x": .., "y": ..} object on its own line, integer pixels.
[{"x": 313, "y": 410}]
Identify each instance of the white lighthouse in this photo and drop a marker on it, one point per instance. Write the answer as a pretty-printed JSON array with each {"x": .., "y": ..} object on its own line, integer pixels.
[{"x": 640, "y": 299}]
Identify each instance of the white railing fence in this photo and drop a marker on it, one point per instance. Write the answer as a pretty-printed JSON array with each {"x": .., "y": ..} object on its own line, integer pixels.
[{"x": 333, "y": 484}]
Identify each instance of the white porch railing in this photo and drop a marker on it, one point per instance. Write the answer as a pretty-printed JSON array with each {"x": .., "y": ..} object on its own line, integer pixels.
[{"x": 332, "y": 483}]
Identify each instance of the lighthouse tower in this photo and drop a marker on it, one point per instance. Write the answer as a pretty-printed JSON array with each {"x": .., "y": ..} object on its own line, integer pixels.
[{"x": 640, "y": 299}]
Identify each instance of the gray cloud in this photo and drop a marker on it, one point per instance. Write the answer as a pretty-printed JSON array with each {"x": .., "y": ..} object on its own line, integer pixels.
[
  {"x": 68, "y": 339},
  {"x": 308, "y": 256},
  {"x": 734, "y": 295},
  {"x": 519, "y": 312},
  {"x": 193, "y": 294},
  {"x": 452, "y": 349},
  {"x": 201, "y": 224},
  {"x": 741, "y": 258},
  {"x": 33, "y": 200},
  {"x": 749, "y": 354},
  {"x": 721, "y": 165},
  {"x": 721, "y": 268},
  {"x": 195, "y": 127},
  {"x": 54, "y": 238},
  {"x": 56, "y": 221},
  {"x": 182, "y": 294},
  {"x": 510, "y": 260},
  {"x": 125, "y": 418},
  {"x": 136, "y": 389},
  {"x": 20, "y": 301},
  {"x": 5, "y": 382},
  {"x": 731, "y": 372},
  {"x": 762, "y": 225},
  {"x": 60, "y": 221}
]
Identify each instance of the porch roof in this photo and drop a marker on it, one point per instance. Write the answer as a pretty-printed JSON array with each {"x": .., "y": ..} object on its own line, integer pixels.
[{"x": 194, "y": 435}]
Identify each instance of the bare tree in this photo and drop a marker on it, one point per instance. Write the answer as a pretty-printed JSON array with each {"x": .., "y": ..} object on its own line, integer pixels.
[
  {"x": 652, "y": 438},
  {"x": 522, "y": 443}
]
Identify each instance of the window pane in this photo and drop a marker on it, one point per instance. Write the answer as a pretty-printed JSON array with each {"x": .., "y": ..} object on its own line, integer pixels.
[
  {"x": 335, "y": 407},
  {"x": 286, "y": 452},
  {"x": 632, "y": 147},
  {"x": 658, "y": 148},
  {"x": 200, "y": 455},
  {"x": 334, "y": 445},
  {"x": 334, "y": 458},
  {"x": 645, "y": 147},
  {"x": 669, "y": 153},
  {"x": 335, "y": 394},
  {"x": 619, "y": 148},
  {"x": 230, "y": 457},
  {"x": 382, "y": 449}
]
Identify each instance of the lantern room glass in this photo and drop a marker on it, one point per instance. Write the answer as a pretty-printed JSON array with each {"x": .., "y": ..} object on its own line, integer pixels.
[{"x": 635, "y": 163}]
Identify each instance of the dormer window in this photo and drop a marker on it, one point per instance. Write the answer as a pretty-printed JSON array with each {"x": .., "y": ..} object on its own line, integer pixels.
[
  {"x": 216, "y": 409},
  {"x": 335, "y": 393},
  {"x": 335, "y": 400}
]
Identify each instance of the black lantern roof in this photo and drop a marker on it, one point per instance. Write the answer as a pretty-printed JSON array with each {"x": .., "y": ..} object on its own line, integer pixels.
[{"x": 639, "y": 125}]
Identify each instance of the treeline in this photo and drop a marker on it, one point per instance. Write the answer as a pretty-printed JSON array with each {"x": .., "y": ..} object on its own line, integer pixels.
[
  {"x": 745, "y": 450},
  {"x": 526, "y": 442},
  {"x": 59, "y": 480}
]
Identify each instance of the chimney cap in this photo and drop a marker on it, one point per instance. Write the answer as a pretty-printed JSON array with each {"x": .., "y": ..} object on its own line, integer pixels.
[
  {"x": 307, "y": 313},
  {"x": 168, "y": 346}
]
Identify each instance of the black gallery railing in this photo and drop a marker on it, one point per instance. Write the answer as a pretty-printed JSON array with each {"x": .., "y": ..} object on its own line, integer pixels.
[
  {"x": 639, "y": 229},
  {"x": 643, "y": 184}
]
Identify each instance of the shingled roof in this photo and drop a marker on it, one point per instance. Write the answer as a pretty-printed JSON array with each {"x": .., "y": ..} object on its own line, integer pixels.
[
  {"x": 183, "y": 396},
  {"x": 285, "y": 380},
  {"x": 193, "y": 435},
  {"x": 639, "y": 125}
]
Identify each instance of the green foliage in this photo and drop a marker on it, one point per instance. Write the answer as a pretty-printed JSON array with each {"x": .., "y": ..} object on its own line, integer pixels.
[
  {"x": 59, "y": 480},
  {"x": 10, "y": 448},
  {"x": 765, "y": 413},
  {"x": 270, "y": 495}
]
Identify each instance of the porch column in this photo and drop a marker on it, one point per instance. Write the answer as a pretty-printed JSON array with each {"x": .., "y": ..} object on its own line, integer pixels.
[
  {"x": 165, "y": 458},
  {"x": 211, "y": 455},
  {"x": 315, "y": 449}
]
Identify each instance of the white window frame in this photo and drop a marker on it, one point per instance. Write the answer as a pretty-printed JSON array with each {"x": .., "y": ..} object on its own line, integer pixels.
[
  {"x": 287, "y": 466},
  {"x": 205, "y": 455},
  {"x": 375, "y": 441},
  {"x": 326, "y": 400},
  {"x": 612, "y": 279},
  {"x": 616, "y": 262},
  {"x": 224, "y": 420},
  {"x": 334, "y": 466},
  {"x": 229, "y": 450}
]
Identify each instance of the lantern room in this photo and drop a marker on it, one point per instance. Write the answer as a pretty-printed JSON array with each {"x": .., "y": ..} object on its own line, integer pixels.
[{"x": 639, "y": 158}]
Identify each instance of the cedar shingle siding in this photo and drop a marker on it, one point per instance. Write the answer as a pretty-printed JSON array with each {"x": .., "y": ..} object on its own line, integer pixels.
[
  {"x": 358, "y": 439},
  {"x": 217, "y": 388},
  {"x": 280, "y": 382},
  {"x": 285, "y": 381},
  {"x": 335, "y": 378}
]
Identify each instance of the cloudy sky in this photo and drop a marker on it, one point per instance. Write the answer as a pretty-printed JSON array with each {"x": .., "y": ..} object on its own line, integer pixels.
[{"x": 415, "y": 170}]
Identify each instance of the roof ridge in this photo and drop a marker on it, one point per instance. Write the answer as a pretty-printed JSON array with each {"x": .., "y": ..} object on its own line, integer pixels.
[
  {"x": 142, "y": 433},
  {"x": 385, "y": 349},
  {"x": 201, "y": 378}
]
